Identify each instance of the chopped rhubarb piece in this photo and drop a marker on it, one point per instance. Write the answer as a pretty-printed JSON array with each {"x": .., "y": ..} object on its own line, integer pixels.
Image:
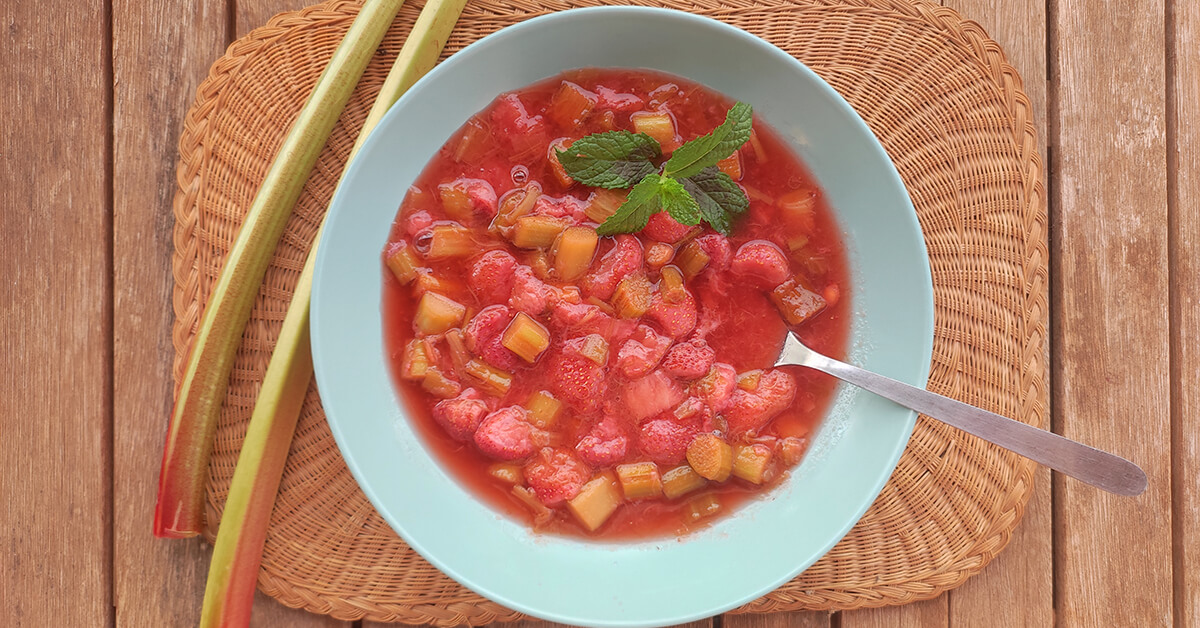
[
  {"x": 439, "y": 384},
  {"x": 659, "y": 255},
  {"x": 468, "y": 201},
  {"x": 556, "y": 167},
  {"x": 692, "y": 259},
  {"x": 402, "y": 262},
  {"x": 751, "y": 462},
  {"x": 491, "y": 276},
  {"x": 791, "y": 449},
  {"x": 604, "y": 203},
  {"x": 640, "y": 480},
  {"x": 596, "y": 502},
  {"x": 632, "y": 297},
  {"x": 605, "y": 444},
  {"x": 556, "y": 475},
  {"x": 525, "y": 337},
  {"x": 671, "y": 287},
  {"x": 505, "y": 435},
  {"x": 474, "y": 142},
  {"x": 573, "y": 252},
  {"x": 537, "y": 231},
  {"x": 593, "y": 347},
  {"x": 761, "y": 263},
  {"x": 711, "y": 457},
  {"x": 491, "y": 379},
  {"x": 435, "y": 314},
  {"x": 689, "y": 360},
  {"x": 663, "y": 228},
  {"x": 798, "y": 209},
  {"x": 570, "y": 105},
  {"x": 650, "y": 395},
  {"x": 642, "y": 352},
  {"x": 732, "y": 166},
  {"x": 658, "y": 125},
  {"x": 748, "y": 381},
  {"x": 795, "y": 302},
  {"x": 701, "y": 507},
  {"x": 415, "y": 362},
  {"x": 506, "y": 472},
  {"x": 460, "y": 416},
  {"x": 445, "y": 240},
  {"x": 543, "y": 409},
  {"x": 623, "y": 260},
  {"x": 680, "y": 481}
]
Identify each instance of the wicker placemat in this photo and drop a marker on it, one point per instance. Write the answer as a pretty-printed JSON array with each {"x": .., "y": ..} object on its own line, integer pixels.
[{"x": 950, "y": 112}]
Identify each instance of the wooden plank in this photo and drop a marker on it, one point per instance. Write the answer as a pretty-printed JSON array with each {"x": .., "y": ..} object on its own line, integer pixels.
[
  {"x": 1183, "y": 136},
  {"x": 254, "y": 13},
  {"x": 928, "y": 614},
  {"x": 1016, "y": 589},
  {"x": 161, "y": 52},
  {"x": 807, "y": 619},
  {"x": 1109, "y": 296},
  {"x": 55, "y": 412}
]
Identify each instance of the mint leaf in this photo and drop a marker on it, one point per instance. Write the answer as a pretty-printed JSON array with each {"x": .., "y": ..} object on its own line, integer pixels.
[
  {"x": 676, "y": 200},
  {"x": 614, "y": 159},
  {"x": 635, "y": 212},
  {"x": 707, "y": 150},
  {"x": 717, "y": 197}
]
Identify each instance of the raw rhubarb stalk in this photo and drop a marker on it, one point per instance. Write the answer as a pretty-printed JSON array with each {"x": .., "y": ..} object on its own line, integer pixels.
[
  {"x": 237, "y": 554},
  {"x": 180, "y": 509}
]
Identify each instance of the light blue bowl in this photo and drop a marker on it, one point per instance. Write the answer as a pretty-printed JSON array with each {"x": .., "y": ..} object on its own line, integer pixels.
[{"x": 664, "y": 581}]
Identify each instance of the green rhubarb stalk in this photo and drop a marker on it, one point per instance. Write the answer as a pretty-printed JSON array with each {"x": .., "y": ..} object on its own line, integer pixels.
[
  {"x": 237, "y": 554},
  {"x": 180, "y": 509}
]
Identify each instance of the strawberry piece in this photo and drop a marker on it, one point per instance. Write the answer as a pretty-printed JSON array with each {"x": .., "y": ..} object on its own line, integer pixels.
[
  {"x": 624, "y": 259},
  {"x": 567, "y": 207},
  {"x": 761, "y": 263},
  {"x": 605, "y": 445},
  {"x": 491, "y": 276},
  {"x": 505, "y": 434},
  {"x": 716, "y": 388},
  {"x": 663, "y": 228},
  {"x": 483, "y": 337},
  {"x": 416, "y": 222},
  {"x": 512, "y": 125},
  {"x": 650, "y": 395},
  {"x": 675, "y": 319},
  {"x": 530, "y": 294},
  {"x": 689, "y": 360},
  {"x": 461, "y": 416},
  {"x": 616, "y": 101},
  {"x": 642, "y": 352},
  {"x": 569, "y": 316},
  {"x": 576, "y": 379},
  {"x": 482, "y": 198},
  {"x": 556, "y": 475},
  {"x": 750, "y": 410},
  {"x": 719, "y": 252},
  {"x": 665, "y": 440}
]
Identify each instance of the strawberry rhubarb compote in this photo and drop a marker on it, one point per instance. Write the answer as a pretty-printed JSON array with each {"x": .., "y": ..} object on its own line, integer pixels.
[{"x": 615, "y": 386}]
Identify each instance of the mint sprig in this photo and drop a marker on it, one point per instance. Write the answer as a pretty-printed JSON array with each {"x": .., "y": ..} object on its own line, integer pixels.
[{"x": 689, "y": 186}]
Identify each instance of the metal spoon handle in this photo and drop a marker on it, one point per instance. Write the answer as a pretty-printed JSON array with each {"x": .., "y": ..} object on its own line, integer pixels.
[{"x": 1098, "y": 468}]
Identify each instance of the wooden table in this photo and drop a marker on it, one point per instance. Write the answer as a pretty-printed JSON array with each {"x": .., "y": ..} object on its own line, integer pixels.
[{"x": 93, "y": 100}]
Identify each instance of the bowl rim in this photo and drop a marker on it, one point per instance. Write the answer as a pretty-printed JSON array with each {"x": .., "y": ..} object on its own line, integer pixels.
[{"x": 549, "y": 21}]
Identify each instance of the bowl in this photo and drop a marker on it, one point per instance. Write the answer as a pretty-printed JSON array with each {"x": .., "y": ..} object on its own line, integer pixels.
[{"x": 659, "y": 581}]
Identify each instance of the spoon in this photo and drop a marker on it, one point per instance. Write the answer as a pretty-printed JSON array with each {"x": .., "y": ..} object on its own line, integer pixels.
[{"x": 1098, "y": 468}]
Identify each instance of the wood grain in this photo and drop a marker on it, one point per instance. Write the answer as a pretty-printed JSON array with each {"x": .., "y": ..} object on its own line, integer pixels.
[
  {"x": 1110, "y": 321},
  {"x": 1182, "y": 142},
  {"x": 1016, "y": 588},
  {"x": 55, "y": 317},
  {"x": 156, "y": 581},
  {"x": 812, "y": 619},
  {"x": 928, "y": 614},
  {"x": 254, "y": 13}
]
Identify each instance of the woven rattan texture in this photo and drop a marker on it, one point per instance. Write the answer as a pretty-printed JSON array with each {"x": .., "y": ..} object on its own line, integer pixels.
[{"x": 949, "y": 110}]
